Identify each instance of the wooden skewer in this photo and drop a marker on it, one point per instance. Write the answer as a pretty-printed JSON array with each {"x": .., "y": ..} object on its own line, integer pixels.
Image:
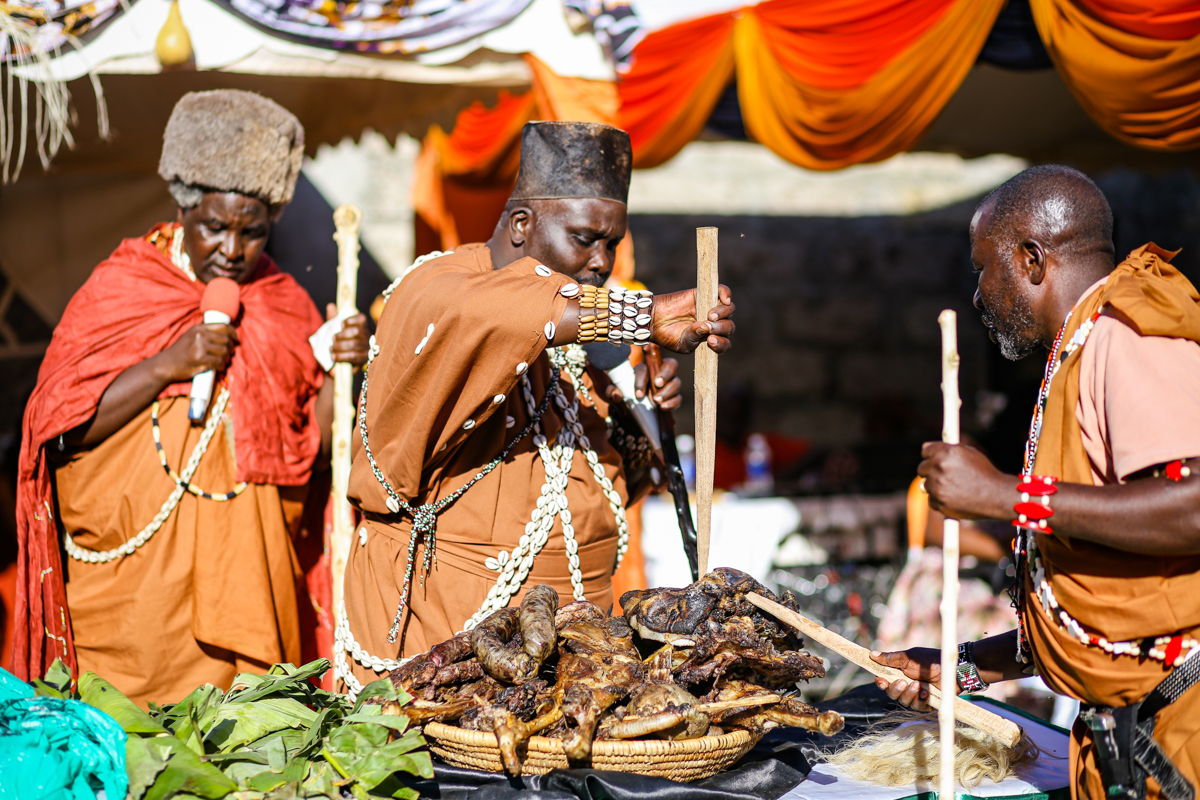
[
  {"x": 1006, "y": 731},
  {"x": 347, "y": 220},
  {"x": 948, "y": 321},
  {"x": 706, "y": 394},
  {"x": 725, "y": 705}
]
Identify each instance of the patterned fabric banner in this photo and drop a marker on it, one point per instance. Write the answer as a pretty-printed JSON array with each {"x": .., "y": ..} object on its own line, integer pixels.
[
  {"x": 391, "y": 26},
  {"x": 52, "y": 23}
]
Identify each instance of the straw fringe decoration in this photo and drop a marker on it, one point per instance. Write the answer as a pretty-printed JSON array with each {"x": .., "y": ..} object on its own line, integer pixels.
[
  {"x": 905, "y": 749},
  {"x": 25, "y": 63},
  {"x": 685, "y": 760}
]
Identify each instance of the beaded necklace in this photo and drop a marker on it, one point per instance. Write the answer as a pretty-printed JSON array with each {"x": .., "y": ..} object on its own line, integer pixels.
[
  {"x": 180, "y": 259},
  {"x": 424, "y": 516},
  {"x": 1171, "y": 650}
]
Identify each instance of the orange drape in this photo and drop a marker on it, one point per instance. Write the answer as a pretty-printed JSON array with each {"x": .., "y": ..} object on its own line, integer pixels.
[
  {"x": 463, "y": 178},
  {"x": 1134, "y": 65},
  {"x": 676, "y": 79},
  {"x": 823, "y": 83}
]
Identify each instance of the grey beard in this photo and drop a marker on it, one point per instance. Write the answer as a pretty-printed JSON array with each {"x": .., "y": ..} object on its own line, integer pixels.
[{"x": 1014, "y": 345}]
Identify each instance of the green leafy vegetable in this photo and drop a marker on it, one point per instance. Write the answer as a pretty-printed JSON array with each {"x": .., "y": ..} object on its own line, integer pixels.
[{"x": 271, "y": 737}]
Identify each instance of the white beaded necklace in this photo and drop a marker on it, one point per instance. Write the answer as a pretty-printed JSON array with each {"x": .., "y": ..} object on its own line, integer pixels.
[{"x": 183, "y": 481}]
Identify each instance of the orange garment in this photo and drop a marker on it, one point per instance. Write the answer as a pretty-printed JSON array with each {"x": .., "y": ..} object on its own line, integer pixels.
[
  {"x": 1117, "y": 594},
  {"x": 134, "y": 305},
  {"x": 1131, "y": 64},
  {"x": 824, "y": 84},
  {"x": 211, "y": 594},
  {"x": 631, "y": 575},
  {"x": 444, "y": 398}
]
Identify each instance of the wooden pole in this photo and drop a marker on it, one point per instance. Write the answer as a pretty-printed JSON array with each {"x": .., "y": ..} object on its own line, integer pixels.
[
  {"x": 1006, "y": 731},
  {"x": 347, "y": 220},
  {"x": 706, "y": 394},
  {"x": 948, "y": 321}
]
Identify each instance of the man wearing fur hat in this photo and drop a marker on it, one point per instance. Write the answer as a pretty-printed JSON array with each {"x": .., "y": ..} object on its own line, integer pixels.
[
  {"x": 485, "y": 463},
  {"x": 179, "y": 568}
]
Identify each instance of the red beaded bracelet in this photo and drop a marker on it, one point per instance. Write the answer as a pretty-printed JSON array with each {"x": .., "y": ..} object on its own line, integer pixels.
[
  {"x": 1034, "y": 508},
  {"x": 1178, "y": 470}
]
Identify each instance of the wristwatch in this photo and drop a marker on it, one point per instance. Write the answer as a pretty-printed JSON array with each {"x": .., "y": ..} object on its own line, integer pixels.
[{"x": 966, "y": 672}]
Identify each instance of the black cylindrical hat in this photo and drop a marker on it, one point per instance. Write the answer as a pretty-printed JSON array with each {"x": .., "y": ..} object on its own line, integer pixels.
[{"x": 573, "y": 159}]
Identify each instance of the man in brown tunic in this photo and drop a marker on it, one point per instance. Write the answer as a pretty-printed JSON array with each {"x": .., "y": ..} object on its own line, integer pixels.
[
  {"x": 1109, "y": 600},
  {"x": 486, "y": 426},
  {"x": 178, "y": 535}
]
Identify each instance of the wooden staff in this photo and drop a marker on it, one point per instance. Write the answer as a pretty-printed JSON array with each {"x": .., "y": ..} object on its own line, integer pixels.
[
  {"x": 948, "y": 321},
  {"x": 1005, "y": 730},
  {"x": 347, "y": 219},
  {"x": 706, "y": 394}
]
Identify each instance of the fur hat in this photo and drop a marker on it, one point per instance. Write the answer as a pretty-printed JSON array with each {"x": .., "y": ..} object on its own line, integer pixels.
[
  {"x": 573, "y": 159},
  {"x": 231, "y": 141}
]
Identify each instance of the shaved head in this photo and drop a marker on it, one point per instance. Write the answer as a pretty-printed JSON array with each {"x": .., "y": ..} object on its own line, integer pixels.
[
  {"x": 1059, "y": 206},
  {"x": 1038, "y": 242}
]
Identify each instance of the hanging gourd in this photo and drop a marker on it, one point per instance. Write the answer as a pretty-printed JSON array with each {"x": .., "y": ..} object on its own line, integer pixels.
[{"x": 173, "y": 45}]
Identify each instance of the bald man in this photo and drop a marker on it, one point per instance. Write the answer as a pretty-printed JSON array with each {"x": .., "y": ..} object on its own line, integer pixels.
[{"x": 1108, "y": 508}]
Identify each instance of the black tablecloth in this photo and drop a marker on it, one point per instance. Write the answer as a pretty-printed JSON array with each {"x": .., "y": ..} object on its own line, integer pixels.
[{"x": 776, "y": 765}]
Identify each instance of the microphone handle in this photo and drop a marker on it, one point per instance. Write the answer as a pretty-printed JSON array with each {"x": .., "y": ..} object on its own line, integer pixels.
[{"x": 202, "y": 382}]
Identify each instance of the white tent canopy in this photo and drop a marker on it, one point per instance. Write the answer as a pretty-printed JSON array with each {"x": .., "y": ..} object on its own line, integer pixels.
[{"x": 225, "y": 41}]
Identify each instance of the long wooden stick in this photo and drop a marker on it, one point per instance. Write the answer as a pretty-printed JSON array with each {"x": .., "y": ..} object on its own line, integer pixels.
[
  {"x": 706, "y": 394},
  {"x": 948, "y": 321},
  {"x": 347, "y": 219},
  {"x": 1004, "y": 730}
]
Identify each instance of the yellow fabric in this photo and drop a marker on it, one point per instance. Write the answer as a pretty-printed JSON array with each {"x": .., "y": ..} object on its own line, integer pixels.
[
  {"x": 1143, "y": 91},
  {"x": 831, "y": 129}
]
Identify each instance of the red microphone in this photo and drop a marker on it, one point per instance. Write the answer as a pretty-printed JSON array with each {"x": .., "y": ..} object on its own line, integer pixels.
[{"x": 220, "y": 304}]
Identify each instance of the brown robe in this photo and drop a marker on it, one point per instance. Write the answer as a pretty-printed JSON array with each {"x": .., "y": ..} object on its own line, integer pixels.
[
  {"x": 1117, "y": 594},
  {"x": 211, "y": 594},
  {"x": 435, "y": 418}
]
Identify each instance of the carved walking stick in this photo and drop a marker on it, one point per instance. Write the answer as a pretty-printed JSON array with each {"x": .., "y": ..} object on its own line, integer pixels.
[
  {"x": 347, "y": 219},
  {"x": 948, "y": 321}
]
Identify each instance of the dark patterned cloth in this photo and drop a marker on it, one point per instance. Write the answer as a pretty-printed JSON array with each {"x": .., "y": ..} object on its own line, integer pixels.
[
  {"x": 614, "y": 23},
  {"x": 390, "y": 26},
  {"x": 56, "y": 22}
]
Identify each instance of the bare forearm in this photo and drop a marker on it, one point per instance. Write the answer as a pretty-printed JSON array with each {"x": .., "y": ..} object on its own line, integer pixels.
[
  {"x": 128, "y": 395},
  {"x": 996, "y": 658},
  {"x": 1151, "y": 516}
]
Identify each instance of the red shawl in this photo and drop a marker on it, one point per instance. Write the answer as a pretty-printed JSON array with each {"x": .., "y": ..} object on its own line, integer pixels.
[{"x": 136, "y": 304}]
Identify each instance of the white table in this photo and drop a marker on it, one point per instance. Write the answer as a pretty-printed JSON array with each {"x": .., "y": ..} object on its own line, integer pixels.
[
  {"x": 745, "y": 535},
  {"x": 1049, "y": 773}
]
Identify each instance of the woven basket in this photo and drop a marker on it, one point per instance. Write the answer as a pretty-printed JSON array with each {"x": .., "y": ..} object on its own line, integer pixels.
[{"x": 684, "y": 761}]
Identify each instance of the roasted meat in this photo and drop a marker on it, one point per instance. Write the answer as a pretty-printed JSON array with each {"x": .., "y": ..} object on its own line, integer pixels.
[
  {"x": 673, "y": 615},
  {"x": 787, "y": 713},
  {"x": 724, "y": 665},
  {"x": 537, "y": 622},
  {"x": 664, "y": 710},
  {"x": 597, "y": 667},
  {"x": 735, "y": 645},
  {"x": 494, "y": 646},
  {"x": 579, "y": 611}
]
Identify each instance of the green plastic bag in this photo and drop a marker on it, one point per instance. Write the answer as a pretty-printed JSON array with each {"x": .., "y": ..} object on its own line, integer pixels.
[{"x": 53, "y": 748}]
